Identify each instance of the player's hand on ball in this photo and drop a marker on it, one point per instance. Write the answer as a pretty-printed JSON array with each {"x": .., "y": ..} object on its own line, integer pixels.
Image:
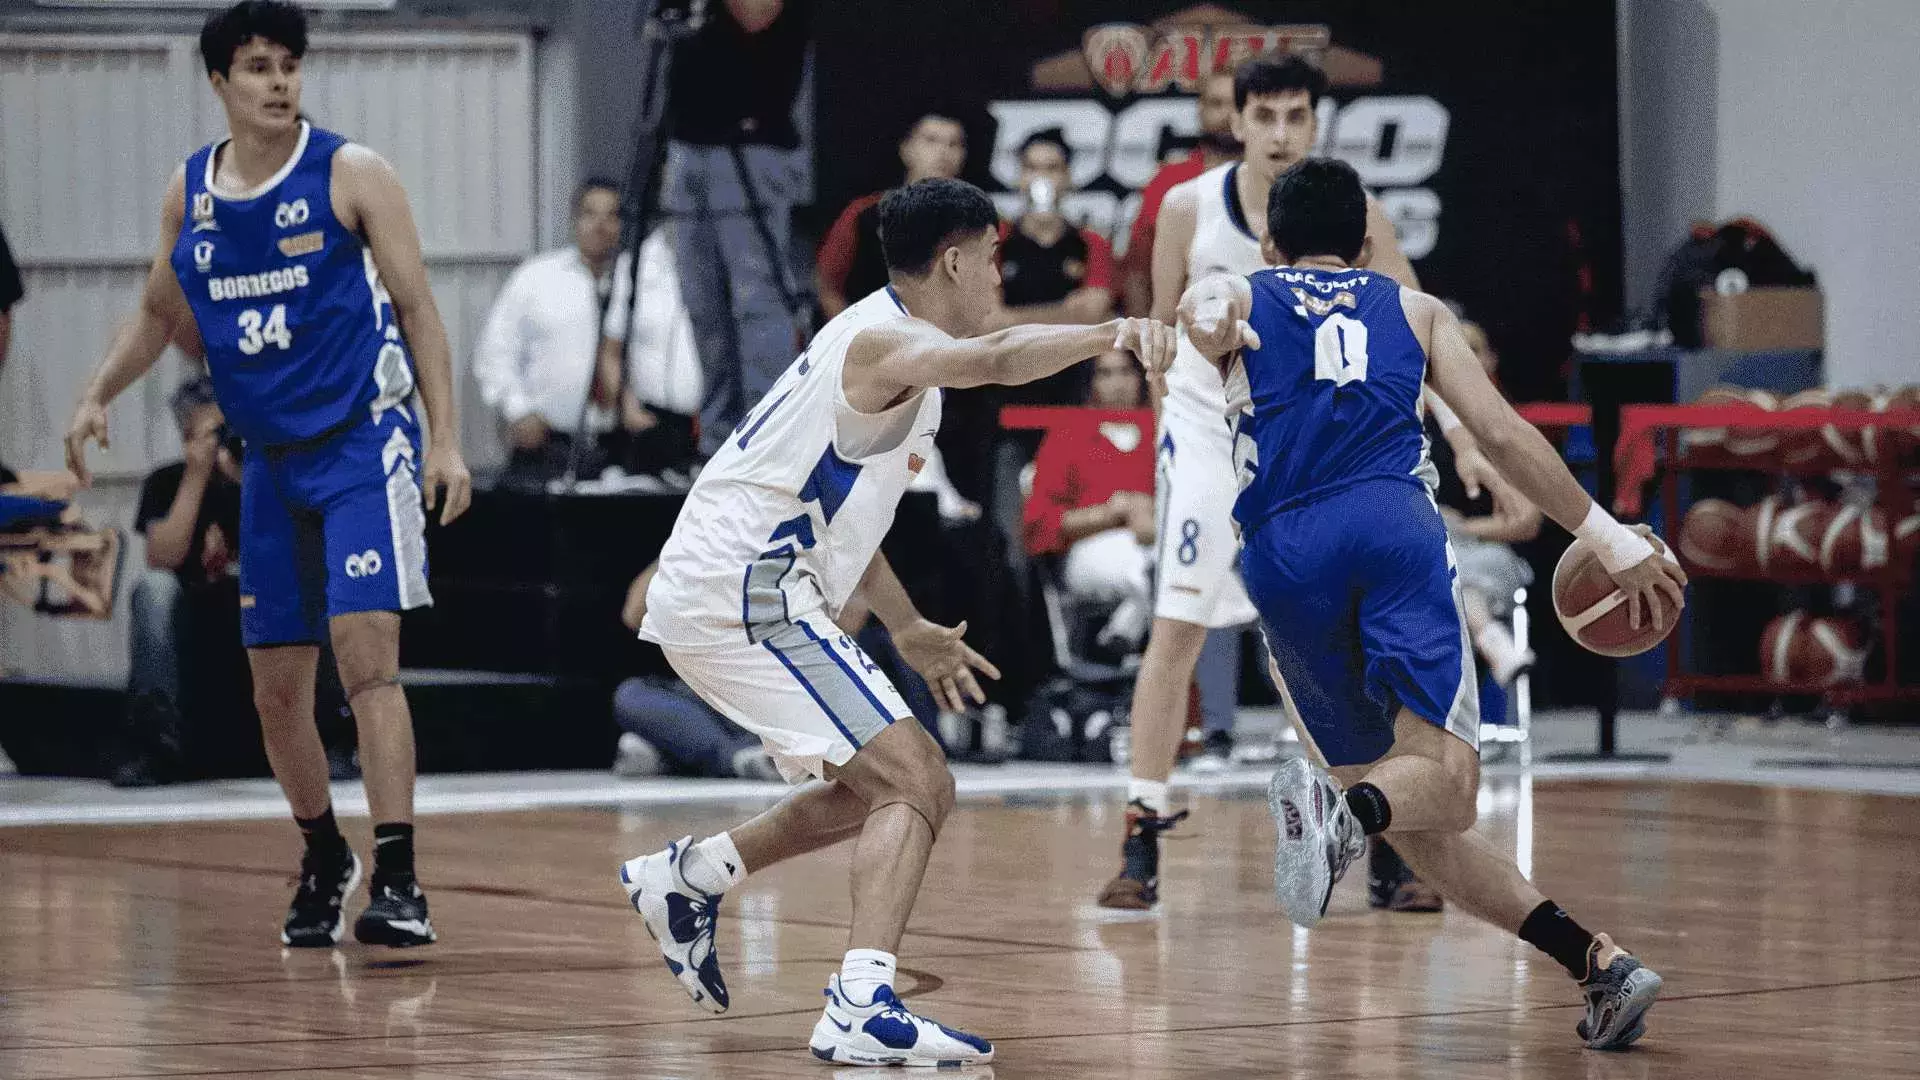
[
  {"x": 1154, "y": 342},
  {"x": 1654, "y": 586},
  {"x": 942, "y": 657},
  {"x": 446, "y": 469},
  {"x": 1214, "y": 323}
]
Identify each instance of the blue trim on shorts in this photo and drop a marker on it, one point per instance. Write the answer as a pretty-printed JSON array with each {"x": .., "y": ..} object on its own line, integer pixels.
[
  {"x": 857, "y": 680},
  {"x": 811, "y": 692}
]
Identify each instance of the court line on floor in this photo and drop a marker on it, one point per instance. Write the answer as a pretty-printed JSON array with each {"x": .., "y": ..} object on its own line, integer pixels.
[
  {"x": 1523, "y": 1009},
  {"x": 495, "y": 893}
]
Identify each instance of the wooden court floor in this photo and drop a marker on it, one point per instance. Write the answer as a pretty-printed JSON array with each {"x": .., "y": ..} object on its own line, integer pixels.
[{"x": 1785, "y": 923}]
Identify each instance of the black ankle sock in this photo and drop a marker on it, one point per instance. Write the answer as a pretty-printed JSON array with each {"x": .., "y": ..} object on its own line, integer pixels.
[
  {"x": 1369, "y": 806},
  {"x": 1384, "y": 863},
  {"x": 1554, "y": 932},
  {"x": 393, "y": 853},
  {"x": 322, "y": 832}
]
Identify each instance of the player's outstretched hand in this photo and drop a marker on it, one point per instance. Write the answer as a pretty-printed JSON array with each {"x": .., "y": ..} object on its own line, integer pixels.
[
  {"x": 1654, "y": 586},
  {"x": 89, "y": 423},
  {"x": 942, "y": 657},
  {"x": 446, "y": 468},
  {"x": 1215, "y": 319},
  {"x": 1154, "y": 343}
]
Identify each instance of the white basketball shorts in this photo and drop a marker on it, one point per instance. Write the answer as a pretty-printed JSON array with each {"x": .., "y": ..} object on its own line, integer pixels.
[
  {"x": 810, "y": 694},
  {"x": 1197, "y": 552}
]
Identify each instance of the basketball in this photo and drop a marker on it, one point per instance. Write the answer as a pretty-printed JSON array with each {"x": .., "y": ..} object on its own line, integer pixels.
[
  {"x": 1863, "y": 444},
  {"x": 1799, "y": 651},
  {"x": 1595, "y": 612},
  {"x": 1741, "y": 442},
  {"x": 1807, "y": 446},
  {"x": 1906, "y": 539},
  {"x": 1903, "y": 442},
  {"x": 1793, "y": 543},
  {"x": 1854, "y": 540},
  {"x": 1717, "y": 535}
]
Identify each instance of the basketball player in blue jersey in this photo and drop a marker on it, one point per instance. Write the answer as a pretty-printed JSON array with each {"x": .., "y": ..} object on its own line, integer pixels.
[
  {"x": 1347, "y": 560},
  {"x": 289, "y": 257}
]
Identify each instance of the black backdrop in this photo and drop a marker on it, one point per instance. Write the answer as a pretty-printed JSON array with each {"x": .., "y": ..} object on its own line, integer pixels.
[{"x": 1528, "y": 190}]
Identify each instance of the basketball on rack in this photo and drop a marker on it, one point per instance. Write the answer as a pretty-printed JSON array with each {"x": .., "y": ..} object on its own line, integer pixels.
[
  {"x": 1904, "y": 442},
  {"x": 1906, "y": 539},
  {"x": 1807, "y": 446},
  {"x": 1861, "y": 445},
  {"x": 1717, "y": 535},
  {"x": 1854, "y": 540},
  {"x": 1793, "y": 542},
  {"x": 1799, "y": 651},
  {"x": 1594, "y": 612},
  {"x": 1741, "y": 442}
]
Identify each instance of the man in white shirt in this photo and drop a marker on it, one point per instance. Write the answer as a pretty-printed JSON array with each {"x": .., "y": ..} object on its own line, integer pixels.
[
  {"x": 659, "y": 390},
  {"x": 536, "y": 354}
]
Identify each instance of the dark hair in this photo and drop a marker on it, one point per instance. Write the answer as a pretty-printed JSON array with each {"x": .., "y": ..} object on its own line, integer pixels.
[
  {"x": 1052, "y": 136},
  {"x": 1318, "y": 208},
  {"x": 593, "y": 183},
  {"x": 271, "y": 20},
  {"x": 192, "y": 396},
  {"x": 1278, "y": 75},
  {"x": 944, "y": 115},
  {"x": 923, "y": 219}
]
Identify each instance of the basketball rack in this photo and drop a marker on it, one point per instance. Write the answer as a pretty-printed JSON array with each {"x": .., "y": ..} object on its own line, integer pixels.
[{"x": 1650, "y": 445}]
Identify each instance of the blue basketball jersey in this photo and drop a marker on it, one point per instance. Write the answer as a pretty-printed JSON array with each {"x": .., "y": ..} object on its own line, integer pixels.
[
  {"x": 299, "y": 334},
  {"x": 1334, "y": 390}
]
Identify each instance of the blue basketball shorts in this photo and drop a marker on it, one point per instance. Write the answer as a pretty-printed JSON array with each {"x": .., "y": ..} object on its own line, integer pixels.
[
  {"x": 331, "y": 527},
  {"x": 1359, "y": 601}
]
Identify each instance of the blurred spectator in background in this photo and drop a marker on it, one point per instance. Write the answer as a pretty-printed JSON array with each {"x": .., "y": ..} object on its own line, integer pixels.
[
  {"x": 850, "y": 264},
  {"x": 664, "y": 723},
  {"x": 1050, "y": 271},
  {"x": 660, "y": 396},
  {"x": 1216, "y": 146},
  {"x": 535, "y": 355},
  {"x": 1092, "y": 503},
  {"x": 190, "y": 593},
  {"x": 11, "y": 292},
  {"x": 734, "y": 172}
]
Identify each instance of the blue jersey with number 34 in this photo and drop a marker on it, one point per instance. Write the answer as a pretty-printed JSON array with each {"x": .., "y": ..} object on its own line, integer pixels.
[
  {"x": 1334, "y": 390},
  {"x": 299, "y": 334}
]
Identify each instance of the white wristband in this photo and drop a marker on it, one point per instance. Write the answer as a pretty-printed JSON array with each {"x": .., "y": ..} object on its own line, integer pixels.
[{"x": 1618, "y": 546}]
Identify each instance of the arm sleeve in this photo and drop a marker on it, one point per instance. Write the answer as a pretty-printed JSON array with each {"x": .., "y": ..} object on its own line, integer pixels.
[
  {"x": 1055, "y": 491},
  {"x": 497, "y": 351}
]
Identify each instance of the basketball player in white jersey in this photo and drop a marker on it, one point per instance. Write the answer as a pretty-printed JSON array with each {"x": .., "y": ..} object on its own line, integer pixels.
[
  {"x": 1212, "y": 223},
  {"x": 783, "y": 525}
]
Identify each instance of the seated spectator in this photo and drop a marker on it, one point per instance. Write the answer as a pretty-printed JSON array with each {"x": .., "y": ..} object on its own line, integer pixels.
[
  {"x": 50, "y": 560},
  {"x": 1092, "y": 504},
  {"x": 1490, "y": 570},
  {"x": 535, "y": 356},
  {"x": 1216, "y": 146},
  {"x": 661, "y": 721},
  {"x": 850, "y": 265},
  {"x": 659, "y": 388}
]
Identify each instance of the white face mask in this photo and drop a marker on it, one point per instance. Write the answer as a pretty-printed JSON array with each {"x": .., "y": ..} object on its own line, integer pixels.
[{"x": 1041, "y": 198}]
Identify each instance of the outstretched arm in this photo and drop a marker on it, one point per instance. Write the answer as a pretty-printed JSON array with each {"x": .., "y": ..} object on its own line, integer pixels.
[
  {"x": 891, "y": 359},
  {"x": 1525, "y": 458}
]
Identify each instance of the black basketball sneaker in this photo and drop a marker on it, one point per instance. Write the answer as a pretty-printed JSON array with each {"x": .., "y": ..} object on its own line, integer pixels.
[
  {"x": 315, "y": 919},
  {"x": 1137, "y": 887},
  {"x": 397, "y": 917}
]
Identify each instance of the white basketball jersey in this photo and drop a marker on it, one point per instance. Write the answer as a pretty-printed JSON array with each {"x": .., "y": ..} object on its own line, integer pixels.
[
  {"x": 785, "y": 518},
  {"x": 1223, "y": 242}
]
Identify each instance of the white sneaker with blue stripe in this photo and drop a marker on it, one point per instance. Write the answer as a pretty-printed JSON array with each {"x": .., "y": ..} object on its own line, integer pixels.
[
  {"x": 885, "y": 1032},
  {"x": 681, "y": 918}
]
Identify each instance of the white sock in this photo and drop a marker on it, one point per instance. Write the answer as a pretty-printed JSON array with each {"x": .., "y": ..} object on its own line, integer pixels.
[
  {"x": 864, "y": 971},
  {"x": 713, "y": 865},
  {"x": 1151, "y": 794}
]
